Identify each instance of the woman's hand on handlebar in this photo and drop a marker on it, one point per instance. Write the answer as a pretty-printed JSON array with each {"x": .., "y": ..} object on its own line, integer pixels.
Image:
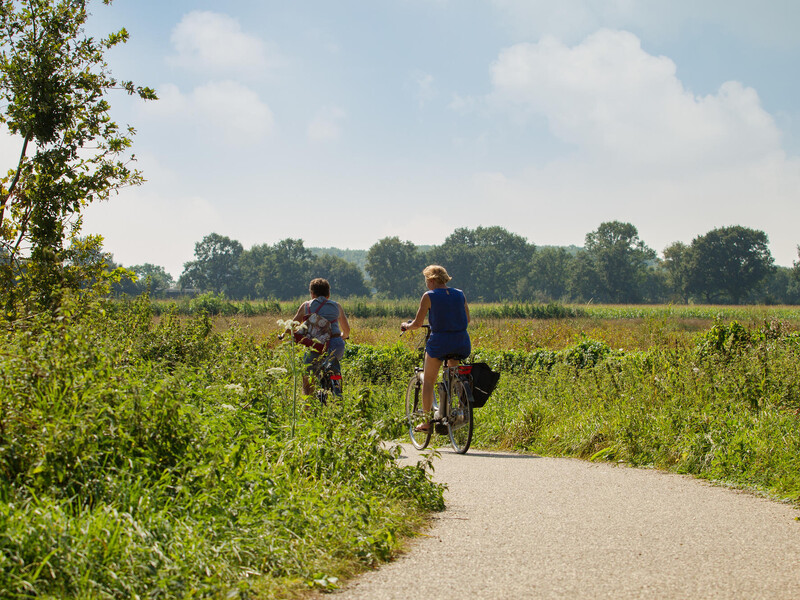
[{"x": 405, "y": 325}]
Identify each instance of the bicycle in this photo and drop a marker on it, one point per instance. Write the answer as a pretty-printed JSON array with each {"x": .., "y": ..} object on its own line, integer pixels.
[
  {"x": 452, "y": 414},
  {"x": 328, "y": 375}
]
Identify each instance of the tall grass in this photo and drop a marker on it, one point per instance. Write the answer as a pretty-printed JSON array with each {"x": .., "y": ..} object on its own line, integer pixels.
[
  {"x": 159, "y": 460},
  {"x": 218, "y": 304},
  {"x": 727, "y": 408}
]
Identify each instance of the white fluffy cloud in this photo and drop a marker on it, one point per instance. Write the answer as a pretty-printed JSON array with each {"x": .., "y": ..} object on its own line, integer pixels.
[
  {"x": 208, "y": 41},
  {"x": 644, "y": 148},
  {"x": 230, "y": 110},
  {"x": 235, "y": 109},
  {"x": 617, "y": 103}
]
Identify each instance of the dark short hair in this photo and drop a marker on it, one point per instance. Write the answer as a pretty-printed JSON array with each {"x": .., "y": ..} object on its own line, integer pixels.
[{"x": 320, "y": 287}]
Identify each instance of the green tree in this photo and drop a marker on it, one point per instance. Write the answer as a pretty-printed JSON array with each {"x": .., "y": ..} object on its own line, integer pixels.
[
  {"x": 620, "y": 259},
  {"x": 152, "y": 277},
  {"x": 778, "y": 287},
  {"x": 257, "y": 268},
  {"x": 346, "y": 278},
  {"x": 395, "y": 268},
  {"x": 488, "y": 263},
  {"x": 550, "y": 271},
  {"x": 216, "y": 266},
  {"x": 729, "y": 262},
  {"x": 292, "y": 268},
  {"x": 584, "y": 282},
  {"x": 280, "y": 271},
  {"x": 53, "y": 83},
  {"x": 676, "y": 263},
  {"x": 794, "y": 280}
]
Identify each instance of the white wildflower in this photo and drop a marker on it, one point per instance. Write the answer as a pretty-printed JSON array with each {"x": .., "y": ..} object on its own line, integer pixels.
[{"x": 288, "y": 324}]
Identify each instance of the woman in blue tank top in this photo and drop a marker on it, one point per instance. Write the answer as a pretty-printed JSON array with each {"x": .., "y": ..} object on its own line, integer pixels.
[{"x": 448, "y": 316}]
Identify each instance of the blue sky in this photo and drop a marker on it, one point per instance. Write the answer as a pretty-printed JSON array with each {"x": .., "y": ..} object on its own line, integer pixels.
[{"x": 344, "y": 122}]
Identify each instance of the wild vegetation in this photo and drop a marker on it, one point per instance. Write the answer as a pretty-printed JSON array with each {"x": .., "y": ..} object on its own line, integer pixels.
[
  {"x": 143, "y": 459},
  {"x": 154, "y": 449},
  {"x": 172, "y": 455}
]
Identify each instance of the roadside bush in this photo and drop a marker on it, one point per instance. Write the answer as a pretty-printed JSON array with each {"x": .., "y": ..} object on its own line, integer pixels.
[
  {"x": 141, "y": 459},
  {"x": 726, "y": 409},
  {"x": 381, "y": 364}
]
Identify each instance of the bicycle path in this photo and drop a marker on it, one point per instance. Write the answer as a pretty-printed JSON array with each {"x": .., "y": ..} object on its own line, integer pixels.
[{"x": 520, "y": 526}]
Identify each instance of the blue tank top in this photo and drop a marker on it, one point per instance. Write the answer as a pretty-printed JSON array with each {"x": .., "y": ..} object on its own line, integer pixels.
[
  {"x": 329, "y": 310},
  {"x": 447, "y": 313}
]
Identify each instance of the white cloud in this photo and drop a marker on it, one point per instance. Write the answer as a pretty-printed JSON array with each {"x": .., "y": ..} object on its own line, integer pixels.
[
  {"x": 325, "y": 126},
  {"x": 208, "y": 41},
  {"x": 235, "y": 109},
  {"x": 229, "y": 109},
  {"x": 646, "y": 150},
  {"x": 617, "y": 103}
]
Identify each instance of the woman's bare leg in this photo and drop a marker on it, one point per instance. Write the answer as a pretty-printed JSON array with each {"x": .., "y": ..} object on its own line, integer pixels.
[{"x": 430, "y": 375}]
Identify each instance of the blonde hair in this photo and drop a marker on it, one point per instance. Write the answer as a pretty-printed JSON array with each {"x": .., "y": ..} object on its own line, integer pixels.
[{"x": 437, "y": 273}]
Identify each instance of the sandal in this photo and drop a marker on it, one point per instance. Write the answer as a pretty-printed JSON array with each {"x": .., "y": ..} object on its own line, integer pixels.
[{"x": 422, "y": 427}]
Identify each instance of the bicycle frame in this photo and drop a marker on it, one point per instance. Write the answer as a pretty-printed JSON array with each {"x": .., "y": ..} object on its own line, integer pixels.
[
  {"x": 329, "y": 379},
  {"x": 449, "y": 416}
]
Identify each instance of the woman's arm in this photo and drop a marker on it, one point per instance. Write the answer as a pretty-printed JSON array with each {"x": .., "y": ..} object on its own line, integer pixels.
[
  {"x": 298, "y": 316},
  {"x": 424, "y": 306},
  {"x": 344, "y": 323}
]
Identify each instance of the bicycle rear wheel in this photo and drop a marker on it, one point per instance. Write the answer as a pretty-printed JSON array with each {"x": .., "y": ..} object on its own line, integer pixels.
[
  {"x": 415, "y": 416},
  {"x": 459, "y": 422}
]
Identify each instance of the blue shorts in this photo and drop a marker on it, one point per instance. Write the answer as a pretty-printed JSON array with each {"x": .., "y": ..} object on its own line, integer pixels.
[
  {"x": 335, "y": 350},
  {"x": 443, "y": 343}
]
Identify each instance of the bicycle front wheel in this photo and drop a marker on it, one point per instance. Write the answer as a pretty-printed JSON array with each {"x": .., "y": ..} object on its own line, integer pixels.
[
  {"x": 459, "y": 422},
  {"x": 415, "y": 416}
]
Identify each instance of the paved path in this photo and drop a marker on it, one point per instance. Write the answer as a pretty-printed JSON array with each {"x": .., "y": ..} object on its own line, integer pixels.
[{"x": 530, "y": 527}]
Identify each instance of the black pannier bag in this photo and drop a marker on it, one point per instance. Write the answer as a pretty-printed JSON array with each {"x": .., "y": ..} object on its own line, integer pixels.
[{"x": 484, "y": 380}]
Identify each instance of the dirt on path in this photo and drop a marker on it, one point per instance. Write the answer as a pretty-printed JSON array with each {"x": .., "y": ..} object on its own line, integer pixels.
[{"x": 530, "y": 527}]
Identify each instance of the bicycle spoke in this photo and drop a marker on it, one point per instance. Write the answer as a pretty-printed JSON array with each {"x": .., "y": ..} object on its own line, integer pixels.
[
  {"x": 460, "y": 423},
  {"x": 415, "y": 415}
]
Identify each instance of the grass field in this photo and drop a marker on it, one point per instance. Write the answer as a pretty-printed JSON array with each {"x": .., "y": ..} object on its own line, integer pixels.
[
  {"x": 155, "y": 453},
  {"x": 620, "y": 326}
]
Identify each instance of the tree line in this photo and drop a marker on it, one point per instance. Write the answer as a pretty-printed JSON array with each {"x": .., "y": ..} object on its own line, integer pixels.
[{"x": 727, "y": 265}]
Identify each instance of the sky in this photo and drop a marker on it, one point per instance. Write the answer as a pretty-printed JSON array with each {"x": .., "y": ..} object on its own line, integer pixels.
[{"x": 342, "y": 123}]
